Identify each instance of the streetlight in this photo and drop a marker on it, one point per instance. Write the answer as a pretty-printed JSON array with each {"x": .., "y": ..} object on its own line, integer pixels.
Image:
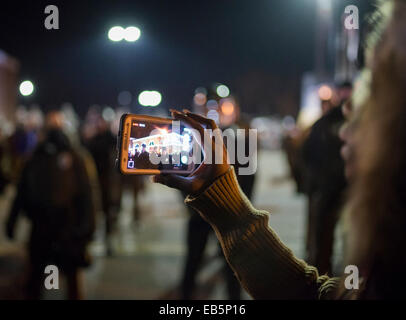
[
  {"x": 223, "y": 91},
  {"x": 130, "y": 34},
  {"x": 26, "y": 88},
  {"x": 116, "y": 33},
  {"x": 149, "y": 98}
]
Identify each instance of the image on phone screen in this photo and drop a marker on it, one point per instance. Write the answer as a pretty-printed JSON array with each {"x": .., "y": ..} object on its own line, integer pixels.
[{"x": 154, "y": 145}]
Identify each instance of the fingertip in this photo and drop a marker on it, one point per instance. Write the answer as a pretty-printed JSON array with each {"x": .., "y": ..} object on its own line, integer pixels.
[
  {"x": 179, "y": 115},
  {"x": 173, "y": 112}
]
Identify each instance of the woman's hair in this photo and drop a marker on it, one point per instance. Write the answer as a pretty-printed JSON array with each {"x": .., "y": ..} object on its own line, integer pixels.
[{"x": 377, "y": 204}]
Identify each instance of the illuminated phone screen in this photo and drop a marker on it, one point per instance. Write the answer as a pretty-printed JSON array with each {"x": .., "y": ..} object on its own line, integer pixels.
[{"x": 154, "y": 145}]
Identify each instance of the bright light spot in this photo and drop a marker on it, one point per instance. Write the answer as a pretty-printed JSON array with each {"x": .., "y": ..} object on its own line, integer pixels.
[
  {"x": 26, "y": 88},
  {"x": 149, "y": 98},
  {"x": 184, "y": 159},
  {"x": 227, "y": 108},
  {"x": 325, "y": 93},
  {"x": 132, "y": 34},
  {"x": 163, "y": 131},
  {"x": 124, "y": 98},
  {"x": 223, "y": 91},
  {"x": 116, "y": 33},
  {"x": 199, "y": 99}
]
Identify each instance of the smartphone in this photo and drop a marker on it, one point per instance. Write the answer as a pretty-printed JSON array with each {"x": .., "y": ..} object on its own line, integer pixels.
[{"x": 150, "y": 145}]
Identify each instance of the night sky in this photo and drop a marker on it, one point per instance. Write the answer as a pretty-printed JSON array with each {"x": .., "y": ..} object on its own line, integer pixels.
[{"x": 184, "y": 44}]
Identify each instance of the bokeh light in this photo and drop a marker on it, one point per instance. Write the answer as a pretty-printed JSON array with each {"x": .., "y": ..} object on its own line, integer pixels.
[
  {"x": 132, "y": 34},
  {"x": 202, "y": 90},
  {"x": 116, "y": 33},
  {"x": 124, "y": 98},
  {"x": 223, "y": 91},
  {"x": 325, "y": 93},
  {"x": 212, "y": 104},
  {"x": 108, "y": 114},
  {"x": 214, "y": 115},
  {"x": 149, "y": 98},
  {"x": 199, "y": 99},
  {"x": 227, "y": 108},
  {"x": 26, "y": 88}
]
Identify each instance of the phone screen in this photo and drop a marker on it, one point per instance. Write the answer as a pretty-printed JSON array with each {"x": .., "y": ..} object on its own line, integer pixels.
[{"x": 158, "y": 146}]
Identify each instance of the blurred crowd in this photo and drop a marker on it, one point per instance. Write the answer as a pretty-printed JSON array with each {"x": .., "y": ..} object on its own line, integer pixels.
[
  {"x": 64, "y": 173},
  {"x": 317, "y": 167},
  {"x": 66, "y": 181}
]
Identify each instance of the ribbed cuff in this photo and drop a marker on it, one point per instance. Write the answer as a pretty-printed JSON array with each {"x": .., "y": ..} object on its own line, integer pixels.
[
  {"x": 263, "y": 264},
  {"x": 223, "y": 204}
]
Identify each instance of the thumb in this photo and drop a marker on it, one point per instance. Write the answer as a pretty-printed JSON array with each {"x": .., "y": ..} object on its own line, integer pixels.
[{"x": 173, "y": 181}]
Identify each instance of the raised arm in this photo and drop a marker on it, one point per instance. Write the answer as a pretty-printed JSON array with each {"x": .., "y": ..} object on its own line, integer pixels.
[{"x": 265, "y": 267}]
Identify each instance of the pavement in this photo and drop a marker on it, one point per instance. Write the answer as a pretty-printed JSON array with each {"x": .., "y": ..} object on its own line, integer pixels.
[{"x": 148, "y": 257}]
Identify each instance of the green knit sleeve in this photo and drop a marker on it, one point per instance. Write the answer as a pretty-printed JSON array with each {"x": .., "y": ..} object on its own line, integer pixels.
[{"x": 265, "y": 267}]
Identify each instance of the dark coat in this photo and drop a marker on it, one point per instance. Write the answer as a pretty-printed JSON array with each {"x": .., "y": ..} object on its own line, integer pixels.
[
  {"x": 324, "y": 165},
  {"x": 55, "y": 194}
]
